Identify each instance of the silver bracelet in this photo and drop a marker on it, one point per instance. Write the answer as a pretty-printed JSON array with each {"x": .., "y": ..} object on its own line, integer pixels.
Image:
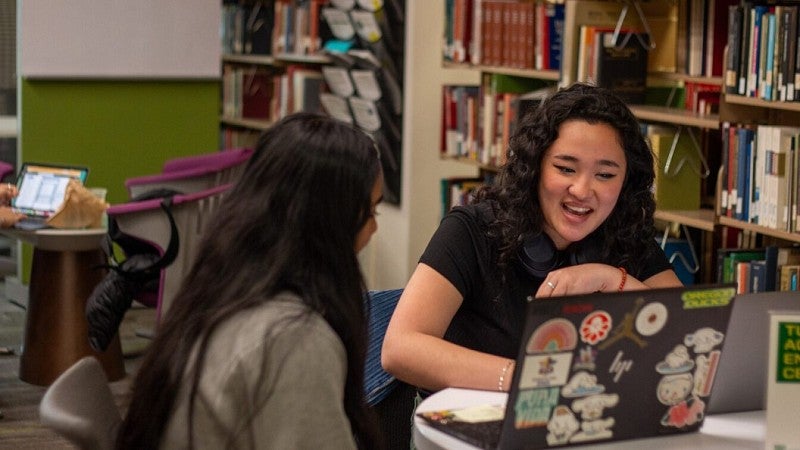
[{"x": 501, "y": 381}]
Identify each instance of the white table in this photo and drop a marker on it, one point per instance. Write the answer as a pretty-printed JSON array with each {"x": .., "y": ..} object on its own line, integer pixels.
[{"x": 744, "y": 430}]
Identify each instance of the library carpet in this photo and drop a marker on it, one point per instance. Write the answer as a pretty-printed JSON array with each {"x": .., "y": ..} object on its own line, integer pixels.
[{"x": 19, "y": 401}]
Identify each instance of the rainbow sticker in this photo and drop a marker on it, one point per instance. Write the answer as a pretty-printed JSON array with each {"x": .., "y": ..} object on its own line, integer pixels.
[{"x": 555, "y": 335}]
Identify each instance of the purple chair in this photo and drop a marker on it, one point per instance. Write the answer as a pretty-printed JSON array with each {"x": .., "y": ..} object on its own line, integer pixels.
[
  {"x": 193, "y": 173},
  {"x": 147, "y": 222},
  {"x": 6, "y": 169}
]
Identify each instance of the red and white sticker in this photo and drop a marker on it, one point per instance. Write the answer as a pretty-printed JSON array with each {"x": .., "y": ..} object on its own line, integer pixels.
[{"x": 595, "y": 327}]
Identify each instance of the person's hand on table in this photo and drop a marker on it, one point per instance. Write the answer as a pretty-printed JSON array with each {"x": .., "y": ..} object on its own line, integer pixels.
[
  {"x": 7, "y": 192},
  {"x": 9, "y": 217}
]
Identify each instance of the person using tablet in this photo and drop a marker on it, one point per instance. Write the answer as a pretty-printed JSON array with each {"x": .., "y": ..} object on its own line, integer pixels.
[
  {"x": 264, "y": 345},
  {"x": 571, "y": 212},
  {"x": 8, "y": 217}
]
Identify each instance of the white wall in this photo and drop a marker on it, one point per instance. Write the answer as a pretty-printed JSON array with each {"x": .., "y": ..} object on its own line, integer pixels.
[
  {"x": 119, "y": 39},
  {"x": 404, "y": 232}
]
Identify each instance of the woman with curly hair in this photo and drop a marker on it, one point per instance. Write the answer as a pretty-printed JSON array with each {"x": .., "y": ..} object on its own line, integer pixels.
[{"x": 571, "y": 212}]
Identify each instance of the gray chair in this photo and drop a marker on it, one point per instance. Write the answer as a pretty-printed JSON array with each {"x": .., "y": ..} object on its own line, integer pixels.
[{"x": 79, "y": 406}]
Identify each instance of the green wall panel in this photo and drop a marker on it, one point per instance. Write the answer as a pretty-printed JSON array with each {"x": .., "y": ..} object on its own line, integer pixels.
[{"x": 120, "y": 129}]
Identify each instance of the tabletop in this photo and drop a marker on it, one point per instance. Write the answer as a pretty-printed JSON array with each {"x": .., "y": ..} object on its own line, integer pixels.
[
  {"x": 54, "y": 239},
  {"x": 744, "y": 430}
]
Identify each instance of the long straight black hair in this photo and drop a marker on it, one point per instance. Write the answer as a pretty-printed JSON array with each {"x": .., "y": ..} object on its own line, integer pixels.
[{"x": 290, "y": 223}]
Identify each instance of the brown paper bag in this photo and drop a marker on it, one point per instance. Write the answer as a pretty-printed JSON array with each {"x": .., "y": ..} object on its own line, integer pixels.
[{"x": 81, "y": 209}]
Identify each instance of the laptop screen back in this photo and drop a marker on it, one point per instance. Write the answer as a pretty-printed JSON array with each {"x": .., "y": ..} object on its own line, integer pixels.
[{"x": 42, "y": 187}]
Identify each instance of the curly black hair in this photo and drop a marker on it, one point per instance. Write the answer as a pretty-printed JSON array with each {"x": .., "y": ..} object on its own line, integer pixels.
[{"x": 514, "y": 197}]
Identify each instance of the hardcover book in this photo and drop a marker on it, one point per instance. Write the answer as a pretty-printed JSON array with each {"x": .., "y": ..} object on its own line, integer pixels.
[{"x": 622, "y": 64}]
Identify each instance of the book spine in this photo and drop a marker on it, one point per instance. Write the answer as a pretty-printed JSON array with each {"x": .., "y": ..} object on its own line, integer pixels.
[
  {"x": 733, "y": 146},
  {"x": 743, "y": 170},
  {"x": 758, "y": 271},
  {"x": 769, "y": 59},
  {"x": 734, "y": 48},
  {"x": 791, "y": 49},
  {"x": 555, "y": 33},
  {"x": 744, "y": 50}
]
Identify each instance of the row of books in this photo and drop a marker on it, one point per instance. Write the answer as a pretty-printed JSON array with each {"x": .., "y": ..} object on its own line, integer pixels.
[
  {"x": 260, "y": 94},
  {"x": 615, "y": 60},
  {"x": 236, "y": 137},
  {"x": 271, "y": 27},
  {"x": 760, "y": 173},
  {"x": 246, "y": 28},
  {"x": 762, "y": 59},
  {"x": 702, "y": 98},
  {"x": 687, "y": 36},
  {"x": 518, "y": 34},
  {"x": 459, "y": 191},
  {"x": 702, "y": 36},
  {"x": 765, "y": 269},
  {"x": 478, "y": 121}
]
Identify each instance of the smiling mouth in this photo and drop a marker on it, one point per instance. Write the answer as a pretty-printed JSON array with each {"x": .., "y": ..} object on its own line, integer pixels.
[{"x": 576, "y": 210}]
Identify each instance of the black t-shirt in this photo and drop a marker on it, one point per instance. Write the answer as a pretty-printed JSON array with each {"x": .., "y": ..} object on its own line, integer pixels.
[{"x": 491, "y": 316}]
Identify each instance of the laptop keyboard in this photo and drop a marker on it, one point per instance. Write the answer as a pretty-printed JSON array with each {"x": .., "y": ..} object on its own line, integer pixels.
[
  {"x": 485, "y": 435},
  {"x": 31, "y": 223}
]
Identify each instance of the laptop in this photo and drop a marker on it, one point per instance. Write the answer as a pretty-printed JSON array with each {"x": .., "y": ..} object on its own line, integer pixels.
[
  {"x": 42, "y": 188},
  {"x": 742, "y": 374},
  {"x": 604, "y": 367}
]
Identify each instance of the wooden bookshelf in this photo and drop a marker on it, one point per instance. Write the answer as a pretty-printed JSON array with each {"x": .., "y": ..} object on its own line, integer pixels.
[
  {"x": 551, "y": 75},
  {"x": 675, "y": 116},
  {"x": 760, "y": 103},
  {"x": 766, "y": 231},
  {"x": 702, "y": 219},
  {"x": 472, "y": 162},
  {"x": 252, "y": 124}
]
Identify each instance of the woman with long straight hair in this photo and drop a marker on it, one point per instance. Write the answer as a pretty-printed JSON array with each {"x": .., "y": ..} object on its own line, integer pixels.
[{"x": 264, "y": 345}]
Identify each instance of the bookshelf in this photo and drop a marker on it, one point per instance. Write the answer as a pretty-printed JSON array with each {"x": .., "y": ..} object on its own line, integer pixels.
[
  {"x": 687, "y": 72},
  {"x": 337, "y": 58},
  {"x": 271, "y": 67}
]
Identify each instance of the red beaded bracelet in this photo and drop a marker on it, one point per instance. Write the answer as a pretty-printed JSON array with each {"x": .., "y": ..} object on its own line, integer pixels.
[{"x": 624, "y": 279}]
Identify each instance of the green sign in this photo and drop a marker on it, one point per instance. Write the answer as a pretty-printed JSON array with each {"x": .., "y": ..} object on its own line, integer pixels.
[{"x": 788, "y": 370}]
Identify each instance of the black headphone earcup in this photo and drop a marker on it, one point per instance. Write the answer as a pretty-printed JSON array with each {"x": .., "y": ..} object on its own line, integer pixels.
[
  {"x": 538, "y": 255},
  {"x": 587, "y": 251}
]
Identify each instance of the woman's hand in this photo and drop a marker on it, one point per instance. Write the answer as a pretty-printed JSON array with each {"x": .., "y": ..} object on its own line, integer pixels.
[
  {"x": 7, "y": 192},
  {"x": 595, "y": 277},
  {"x": 583, "y": 279},
  {"x": 8, "y": 217}
]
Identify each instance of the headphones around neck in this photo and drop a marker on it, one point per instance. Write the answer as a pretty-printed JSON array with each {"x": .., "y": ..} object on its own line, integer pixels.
[{"x": 539, "y": 255}]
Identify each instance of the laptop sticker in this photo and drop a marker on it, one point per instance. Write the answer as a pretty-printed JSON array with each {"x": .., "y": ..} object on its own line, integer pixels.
[
  {"x": 562, "y": 426},
  {"x": 677, "y": 361},
  {"x": 704, "y": 339},
  {"x": 592, "y": 407},
  {"x": 582, "y": 384},
  {"x": 595, "y": 327},
  {"x": 594, "y": 430},
  {"x": 586, "y": 359},
  {"x": 533, "y": 407},
  {"x": 625, "y": 329},
  {"x": 552, "y": 336},
  {"x": 651, "y": 318},
  {"x": 551, "y": 369},
  {"x": 684, "y": 410},
  {"x": 705, "y": 373}
]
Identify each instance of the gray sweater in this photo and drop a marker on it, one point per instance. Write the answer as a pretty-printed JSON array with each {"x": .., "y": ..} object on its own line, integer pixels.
[{"x": 274, "y": 378}]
